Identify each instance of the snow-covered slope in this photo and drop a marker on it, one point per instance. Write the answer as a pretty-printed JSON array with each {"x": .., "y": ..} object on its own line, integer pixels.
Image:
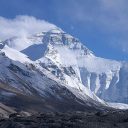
[
  {"x": 27, "y": 84},
  {"x": 65, "y": 60}
]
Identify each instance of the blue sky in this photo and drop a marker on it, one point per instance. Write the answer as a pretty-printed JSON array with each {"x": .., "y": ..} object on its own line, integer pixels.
[{"x": 102, "y": 25}]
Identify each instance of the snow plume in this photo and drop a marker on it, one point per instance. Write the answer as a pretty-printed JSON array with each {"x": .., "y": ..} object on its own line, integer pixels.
[
  {"x": 22, "y": 26},
  {"x": 68, "y": 57}
]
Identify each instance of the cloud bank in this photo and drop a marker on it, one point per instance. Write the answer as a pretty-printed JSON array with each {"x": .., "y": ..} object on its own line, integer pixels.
[{"x": 22, "y": 26}]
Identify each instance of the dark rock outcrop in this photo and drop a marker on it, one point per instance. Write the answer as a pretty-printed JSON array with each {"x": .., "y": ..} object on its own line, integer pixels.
[{"x": 113, "y": 119}]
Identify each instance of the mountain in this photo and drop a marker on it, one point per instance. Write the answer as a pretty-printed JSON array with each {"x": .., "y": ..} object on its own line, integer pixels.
[{"x": 53, "y": 71}]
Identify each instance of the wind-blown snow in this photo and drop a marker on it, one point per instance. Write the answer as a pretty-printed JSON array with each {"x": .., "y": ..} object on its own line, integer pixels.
[
  {"x": 67, "y": 56},
  {"x": 98, "y": 65},
  {"x": 22, "y": 26}
]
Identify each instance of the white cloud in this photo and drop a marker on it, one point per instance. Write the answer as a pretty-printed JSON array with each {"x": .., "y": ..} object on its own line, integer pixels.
[{"x": 22, "y": 26}]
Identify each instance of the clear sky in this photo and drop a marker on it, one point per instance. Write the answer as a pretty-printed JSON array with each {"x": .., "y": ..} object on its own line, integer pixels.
[{"x": 102, "y": 25}]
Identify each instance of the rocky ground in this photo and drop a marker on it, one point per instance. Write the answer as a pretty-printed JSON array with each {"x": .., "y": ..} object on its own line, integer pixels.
[{"x": 113, "y": 119}]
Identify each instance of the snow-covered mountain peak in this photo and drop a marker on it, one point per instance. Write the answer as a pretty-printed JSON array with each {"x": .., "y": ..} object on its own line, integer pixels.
[
  {"x": 72, "y": 63},
  {"x": 55, "y": 38}
]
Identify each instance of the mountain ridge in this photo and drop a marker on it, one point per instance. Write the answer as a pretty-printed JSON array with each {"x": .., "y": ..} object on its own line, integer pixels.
[{"x": 64, "y": 59}]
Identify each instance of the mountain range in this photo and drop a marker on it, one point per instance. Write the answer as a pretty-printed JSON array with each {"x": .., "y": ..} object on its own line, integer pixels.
[{"x": 54, "y": 71}]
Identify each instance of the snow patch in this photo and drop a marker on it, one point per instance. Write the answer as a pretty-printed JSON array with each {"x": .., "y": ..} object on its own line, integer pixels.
[
  {"x": 118, "y": 105},
  {"x": 15, "y": 55}
]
